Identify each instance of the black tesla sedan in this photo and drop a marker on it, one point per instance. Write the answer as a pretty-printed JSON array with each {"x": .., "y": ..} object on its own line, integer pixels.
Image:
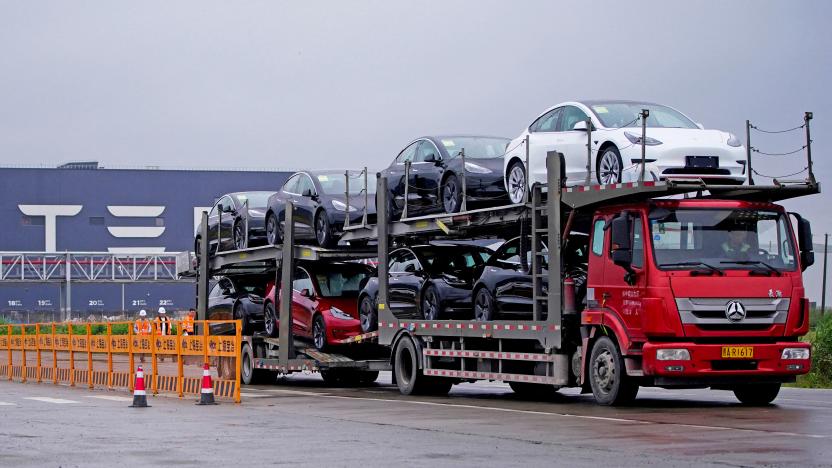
[
  {"x": 428, "y": 282},
  {"x": 229, "y": 218},
  {"x": 237, "y": 298},
  {"x": 435, "y": 178},
  {"x": 320, "y": 204}
]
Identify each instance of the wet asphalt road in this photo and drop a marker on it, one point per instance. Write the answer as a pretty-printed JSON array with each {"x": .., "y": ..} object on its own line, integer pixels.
[{"x": 298, "y": 421}]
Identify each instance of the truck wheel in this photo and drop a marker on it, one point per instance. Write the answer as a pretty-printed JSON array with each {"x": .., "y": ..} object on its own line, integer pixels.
[
  {"x": 533, "y": 391},
  {"x": 331, "y": 377},
  {"x": 607, "y": 375},
  {"x": 757, "y": 394},
  {"x": 367, "y": 377},
  {"x": 368, "y": 315},
  {"x": 409, "y": 377},
  {"x": 270, "y": 319},
  {"x": 248, "y": 374}
]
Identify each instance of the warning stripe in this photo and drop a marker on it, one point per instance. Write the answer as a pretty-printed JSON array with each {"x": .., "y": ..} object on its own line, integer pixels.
[
  {"x": 99, "y": 378},
  {"x": 81, "y": 376},
  {"x": 63, "y": 374},
  {"x": 121, "y": 379},
  {"x": 31, "y": 372},
  {"x": 596, "y": 188},
  {"x": 427, "y": 325},
  {"x": 45, "y": 373},
  {"x": 372, "y": 336},
  {"x": 490, "y": 376},
  {"x": 535, "y": 357}
]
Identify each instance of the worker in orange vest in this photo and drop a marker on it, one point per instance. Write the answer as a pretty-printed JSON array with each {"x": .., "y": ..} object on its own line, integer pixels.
[
  {"x": 163, "y": 327},
  {"x": 188, "y": 323},
  {"x": 142, "y": 327}
]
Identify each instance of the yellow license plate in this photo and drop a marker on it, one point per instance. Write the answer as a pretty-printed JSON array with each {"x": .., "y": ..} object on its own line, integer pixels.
[{"x": 737, "y": 352}]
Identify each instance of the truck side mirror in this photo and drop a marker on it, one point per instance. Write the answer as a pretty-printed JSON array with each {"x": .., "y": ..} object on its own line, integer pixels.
[
  {"x": 622, "y": 249},
  {"x": 804, "y": 241}
]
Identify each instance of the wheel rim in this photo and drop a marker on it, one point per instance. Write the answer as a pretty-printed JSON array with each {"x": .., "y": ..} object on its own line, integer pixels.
[
  {"x": 271, "y": 230},
  {"x": 239, "y": 237},
  {"x": 449, "y": 196},
  {"x": 318, "y": 334},
  {"x": 430, "y": 306},
  {"x": 321, "y": 229},
  {"x": 247, "y": 365},
  {"x": 603, "y": 370},
  {"x": 517, "y": 183},
  {"x": 609, "y": 168},
  {"x": 481, "y": 307},
  {"x": 269, "y": 325},
  {"x": 366, "y": 314}
]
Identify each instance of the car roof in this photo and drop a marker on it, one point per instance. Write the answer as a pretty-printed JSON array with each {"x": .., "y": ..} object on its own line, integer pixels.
[{"x": 592, "y": 102}]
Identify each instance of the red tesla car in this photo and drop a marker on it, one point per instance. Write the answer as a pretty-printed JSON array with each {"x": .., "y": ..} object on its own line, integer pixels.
[{"x": 324, "y": 302}]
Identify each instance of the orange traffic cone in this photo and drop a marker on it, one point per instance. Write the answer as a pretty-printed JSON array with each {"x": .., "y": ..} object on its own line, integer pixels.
[
  {"x": 206, "y": 397},
  {"x": 139, "y": 394}
]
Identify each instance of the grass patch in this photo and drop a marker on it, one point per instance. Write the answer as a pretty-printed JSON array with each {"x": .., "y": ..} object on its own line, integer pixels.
[{"x": 821, "y": 339}]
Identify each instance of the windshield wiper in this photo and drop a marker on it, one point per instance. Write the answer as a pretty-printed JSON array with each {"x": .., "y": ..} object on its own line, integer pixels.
[
  {"x": 754, "y": 262},
  {"x": 708, "y": 266}
]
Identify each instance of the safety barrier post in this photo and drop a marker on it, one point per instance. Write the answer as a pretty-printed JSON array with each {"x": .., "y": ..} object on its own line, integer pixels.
[
  {"x": 588, "y": 151},
  {"x": 807, "y": 116},
  {"x": 130, "y": 358},
  {"x": 23, "y": 352},
  {"x": 528, "y": 174},
  {"x": 71, "y": 356},
  {"x": 366, "y": 198},
  {"x": 110, "y": 356},
  {"x": 406, "y": 189},
  {"x": 238, "y": 325},
  {"x": 38, "y": 359},
  {"x": 180, "y": 371},
  {"x": 54, "y": 356},
  {"x": 644, "y": 114},
  {"x": 748, "y": 151},
  {"x": 9, "y": 335},
  {"x": 89, "y": 357},
  {"x": 347, "y": 198},
  {"x": 205, "y": 342},
  {"x": 153, "y": 363},
  {"x": 464, "y": 206}
]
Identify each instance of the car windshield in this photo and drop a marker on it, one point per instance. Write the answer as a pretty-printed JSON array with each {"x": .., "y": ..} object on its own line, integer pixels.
[
  {"x": 255, "y": 199},
  {"x": 257, "y": 288},
  {"x": 449, "y": 259},
  {"x": 626, "y": 114},
  {"x": 721, "y": 239},
  {"x": 475, "y": 147},
  {"x": 342, "y": 281},
  {"x": 334, "y": 183}
]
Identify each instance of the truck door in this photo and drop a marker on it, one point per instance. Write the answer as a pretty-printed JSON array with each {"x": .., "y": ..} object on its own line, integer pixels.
[
  {"x": 596, "y": 291},
  {"x": 623, "y": 297}
]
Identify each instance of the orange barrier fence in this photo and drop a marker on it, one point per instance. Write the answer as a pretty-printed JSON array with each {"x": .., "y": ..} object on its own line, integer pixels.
[{"x": 105, "y": 355}]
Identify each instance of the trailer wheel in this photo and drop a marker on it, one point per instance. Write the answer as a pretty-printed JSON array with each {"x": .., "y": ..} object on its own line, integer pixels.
[
  {"x": 367, "y": 377},
  {"x": 368, "y": 315},
  {"x": 409, "y": 378},
  {"x": 533, "y": 391},
  {"x": 331, "y": 377},
  {"x": 270, "y": 320},
  {"x": 757, "y": 394},
  {"x": 607, "y": 375},
  {"x": 248, "y": 374}
]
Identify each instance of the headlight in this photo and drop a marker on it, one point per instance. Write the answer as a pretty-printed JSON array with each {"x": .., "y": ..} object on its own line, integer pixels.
[
  {"x": 341, "y": 206},
  {"x": 795, "y": 353},
  {"x": 673, "y": 354},
  {"x": 733, "y": 140},
  {"x": 340, "y": 314},
  {"x": 476, "y": 168},
  {"x": 636, "y": 139}
]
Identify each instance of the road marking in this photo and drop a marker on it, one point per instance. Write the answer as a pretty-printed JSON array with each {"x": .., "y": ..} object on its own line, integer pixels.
[
  {"x": 57, "y": 401},
  {"x": 253, "y": 395},
  {"x": 5, "y": 403},
  {"x": 110, "y": 397}
]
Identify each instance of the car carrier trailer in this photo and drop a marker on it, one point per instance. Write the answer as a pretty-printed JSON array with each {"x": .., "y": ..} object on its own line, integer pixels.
[{"x": 604, "y": 348}]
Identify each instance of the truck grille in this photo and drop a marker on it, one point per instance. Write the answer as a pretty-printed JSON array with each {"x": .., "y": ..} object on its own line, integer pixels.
[{"x": 709, "y": 313}]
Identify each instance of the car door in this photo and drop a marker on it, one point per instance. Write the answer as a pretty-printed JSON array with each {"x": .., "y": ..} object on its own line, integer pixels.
[
  {"x": 403, "y": 283},
  {"x": 396, "y": 177},
  {"x": 542, "y": 139},
  {"x": 425, "y": 174},
  {"x": 303, "y": 306},
  {"x": 572, "y": 143},
  {"x": 226, "y": 223},
  {"x": 213, "y": 222},
  {"x": 306, "y": 203},
  {"x": 513, "y": 286},
  {"x": 626, "y": 299},
  {"x": 225, "y": 300}
]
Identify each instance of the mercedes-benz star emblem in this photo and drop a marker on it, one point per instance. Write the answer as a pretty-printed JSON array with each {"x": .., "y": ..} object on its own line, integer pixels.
[{"x": 735, "y": 311}]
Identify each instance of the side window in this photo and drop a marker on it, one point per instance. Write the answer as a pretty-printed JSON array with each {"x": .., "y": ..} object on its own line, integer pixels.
[
  {"x": 638, "y": 243},
  {"x": 214, "y": 210},
  {"x": 425, "y": 150},
  {"x": 216, "y": 291},
  {"x": 408, "y": 153},
  {"x": 395, "y": 265},
  {"x": 302, "y": 280},
  {"x": 571, "y": 115},
  {"x": 304, "y": 184},
  {"x": 509, "y": 253},
  {"x": 226, "y": 288},
  {"x": 227, "y": 204},
  {"x": 598, "y": 237},
  {"x": 405, "y": 261},
  {"x": 547, "y": 122},
  {"x": 291, "y": 185}
]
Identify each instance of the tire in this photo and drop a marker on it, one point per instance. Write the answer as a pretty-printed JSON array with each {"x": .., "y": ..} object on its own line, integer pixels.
[
  {"x": 431, "y": 305},
  {"x": 248, "y": 374},
  {"x": 274, "y": 232},
  {"x": 240, "y": 236},
  {"x": 409, "y": 378},
  {"x": 323, "y": 234},
  {"x": 319, "y": 333},
  {"x": 517, "y": 182},
  {"x": 757, "y": 394},
  {"x": 270, "y": 320},
  {"x": 608, "y": 377},
  {"x": 608, "y": 166},
  {"x": 368, "y": 315},
  {"x": 484, "y": 306},
  {"x": 367, "y": 377},
  {"x": 451, "y": 194},
  {"x": 239, "y": 314},
  {"x": 331, "y": 377},
  {"x": 533, "y": 391}
]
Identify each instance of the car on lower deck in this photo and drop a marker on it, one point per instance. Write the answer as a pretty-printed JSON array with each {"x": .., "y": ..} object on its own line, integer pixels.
[
  {"x": 324, "y": 302},
  {"x": 237, "y": 298},
  {"x": 428, "y": 282}
]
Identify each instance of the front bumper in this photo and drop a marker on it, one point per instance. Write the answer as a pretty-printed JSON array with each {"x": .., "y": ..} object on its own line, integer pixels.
[
  {"x": 670, "y": 162},
  {"x": 339, "y": 329},
  {"x": 707, "y": 364}
]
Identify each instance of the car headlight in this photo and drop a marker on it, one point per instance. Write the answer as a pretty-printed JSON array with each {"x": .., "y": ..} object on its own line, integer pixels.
[
  {"x": 795, "y": 353},
  {"x": 636, "y": 139},
  {"x": 673, "y": 354},
  {"x": 339, "y": 314},
  {"x": 341, "y": 206},
  {"x": 476, "y": 168},
  {"x": 733, "y": 140}
]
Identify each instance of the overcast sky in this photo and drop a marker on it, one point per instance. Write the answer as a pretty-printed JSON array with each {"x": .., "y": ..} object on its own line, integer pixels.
[{"x": 336, "y": 84}]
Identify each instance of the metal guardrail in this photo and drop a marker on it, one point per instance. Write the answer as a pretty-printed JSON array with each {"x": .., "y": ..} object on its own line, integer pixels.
[{"x": 89, "y": 267}]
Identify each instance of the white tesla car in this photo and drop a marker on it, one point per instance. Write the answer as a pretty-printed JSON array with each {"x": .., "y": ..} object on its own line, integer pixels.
[{"x": 676, "y": 146}]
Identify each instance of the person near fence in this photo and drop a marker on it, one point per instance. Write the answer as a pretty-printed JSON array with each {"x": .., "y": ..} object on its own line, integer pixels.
[
  {"x": 188, "y": 323},
  {"x": 142, "y": 327},
  {"x": 163, "y": 327}
]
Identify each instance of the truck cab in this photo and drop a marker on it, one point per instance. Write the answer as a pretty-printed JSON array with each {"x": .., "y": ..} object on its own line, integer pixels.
[{"x": 696, "y": 293}]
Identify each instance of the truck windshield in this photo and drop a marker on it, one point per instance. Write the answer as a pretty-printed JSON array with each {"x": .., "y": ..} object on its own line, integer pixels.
[{"x": 721, "y": 238}]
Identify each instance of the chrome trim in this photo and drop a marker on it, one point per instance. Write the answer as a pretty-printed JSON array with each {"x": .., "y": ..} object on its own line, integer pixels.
[{"x": 711, "y": 311}]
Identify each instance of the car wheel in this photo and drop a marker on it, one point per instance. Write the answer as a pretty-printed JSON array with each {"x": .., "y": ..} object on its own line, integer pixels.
[
  {"x": 611, "y": 386},
  {"x": 240, "y": 237},
  {"x": 757, "y": 394},
  {"x": 239, "y": 314},
  {"x": 368, "y": 315},
  {"x": 483, "y": 306},
  {"x": 430, "y": 304},
  {"x": 274, "y": 232},
  {"x": 516, "y": 182},
  {"x": 270, "y": 320},
  {"x": 608, "y": 166},
  {"x": 451, "y": 194},
  {"x": 322, "y": 233},
  {"x": 319, "y": 333}
]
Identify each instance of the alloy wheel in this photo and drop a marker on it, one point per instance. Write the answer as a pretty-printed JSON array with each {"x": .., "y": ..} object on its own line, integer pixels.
[
  {"x": 609, "y": 168},
  {"x": 449, "y": 196},
  {"x": 517, "y": 183}
]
